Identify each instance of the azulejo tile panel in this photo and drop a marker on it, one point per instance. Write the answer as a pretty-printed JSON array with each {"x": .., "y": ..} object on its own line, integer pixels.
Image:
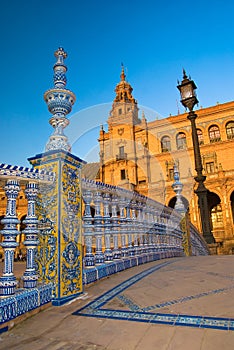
[
  {"x": 59, "y": 257},
  {"x": 100, "y": 307},
  {"x": 24, "y": 301}
]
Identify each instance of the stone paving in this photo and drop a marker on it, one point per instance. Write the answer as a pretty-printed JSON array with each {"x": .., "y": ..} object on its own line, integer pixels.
[{"x": 179, "y": 303}]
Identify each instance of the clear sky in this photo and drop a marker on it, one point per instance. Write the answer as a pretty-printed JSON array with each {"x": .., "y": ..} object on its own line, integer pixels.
[{"x": 154, "y": 39}]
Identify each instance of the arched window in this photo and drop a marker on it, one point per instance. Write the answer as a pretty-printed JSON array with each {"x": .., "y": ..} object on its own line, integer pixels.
[
  {"x": 230, "y": 130},
  {"x": 200, "y": 137},
  {"x": 181, "y": 140},
  {"x": 217, "y": 216},
  {"x": 165, "y": 144},
  {"x": 214, "y": 133}
]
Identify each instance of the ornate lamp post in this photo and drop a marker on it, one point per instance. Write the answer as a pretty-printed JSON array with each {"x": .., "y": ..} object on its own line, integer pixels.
[{"x": 189, "y": 99}]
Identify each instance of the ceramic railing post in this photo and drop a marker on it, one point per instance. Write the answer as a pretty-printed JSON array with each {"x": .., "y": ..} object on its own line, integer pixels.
[
  {"x": 129, "y": 230},
  {"x": 134, "y": 228},
  {"x": 146, "y": 229},
  {"x": 31, "y": 242},
  {"x": 122, "y": 226},
  {"x": 98, "y": 228},
  {"x": 8, "y": 281},
  {"x": 88, "y": 229},
  {"x": 140, "y": 228},
  {"x": 115, "y": 226},
  {"x": 107, "y": 227}
]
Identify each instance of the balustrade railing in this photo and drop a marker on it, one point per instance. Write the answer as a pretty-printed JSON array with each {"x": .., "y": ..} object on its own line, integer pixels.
[
  {"x": 13, "y": 179},
  {"x": 126, "y": 224},
  {"x": 117, "y": 224}
]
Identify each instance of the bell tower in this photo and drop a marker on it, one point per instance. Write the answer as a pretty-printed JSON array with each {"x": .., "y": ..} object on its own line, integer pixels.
[
  {"x": 124, "y": 108},
  {"x": 118, "y": 146}
]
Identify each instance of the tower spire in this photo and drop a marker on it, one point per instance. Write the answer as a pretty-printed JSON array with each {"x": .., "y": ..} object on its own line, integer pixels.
[
  {"x": 123, "y": 89},
  {"x": 59, "y": 101},
  {"x": 122, "y": 75}
]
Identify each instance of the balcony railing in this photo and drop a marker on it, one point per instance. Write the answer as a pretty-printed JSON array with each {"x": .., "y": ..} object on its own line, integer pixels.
[{"x": 122, "y": 156}]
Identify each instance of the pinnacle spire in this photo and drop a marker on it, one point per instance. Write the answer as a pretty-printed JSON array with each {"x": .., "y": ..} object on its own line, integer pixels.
[
  {"x": 123, "y": 89},
  {"x": 59, "y": 101},
  {"x": 122, "y": 75}
]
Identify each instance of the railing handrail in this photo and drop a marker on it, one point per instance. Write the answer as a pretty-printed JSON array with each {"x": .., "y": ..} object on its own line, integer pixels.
[{"x": 25, "y": 173}]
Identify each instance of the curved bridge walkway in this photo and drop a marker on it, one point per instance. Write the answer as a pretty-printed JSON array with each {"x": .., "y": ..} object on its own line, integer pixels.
[{"x": 179, "y": 303}]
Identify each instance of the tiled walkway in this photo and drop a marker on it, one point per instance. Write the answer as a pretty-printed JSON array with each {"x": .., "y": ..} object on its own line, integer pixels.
[
  {"x": 180, "y": 303},
  {"x": 132, "y": 311}
]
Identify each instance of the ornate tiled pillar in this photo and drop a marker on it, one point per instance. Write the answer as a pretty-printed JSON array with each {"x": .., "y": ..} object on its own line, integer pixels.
[
  {"x": 98, "y": 226},
  {"x": 30, "y": 276},
  {"x": 107, "y": 227},
  {"x": 115, "y": 228},
  {"x": 59, "y": 203},
  {"x": 8, "y": 281},
  {"x": 88, "y": 229}
]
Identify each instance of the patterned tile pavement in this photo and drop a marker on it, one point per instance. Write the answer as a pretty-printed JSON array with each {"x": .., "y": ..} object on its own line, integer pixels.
[
  {"x": 171, "y": 304},
  {"x": 131, "y": 311}
]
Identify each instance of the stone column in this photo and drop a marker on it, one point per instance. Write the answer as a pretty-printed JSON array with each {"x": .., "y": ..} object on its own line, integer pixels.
[
  {"x": 8, "y": 281},
  {"x": 31, "y": 242},
  {"x": 88, "y": 229}
]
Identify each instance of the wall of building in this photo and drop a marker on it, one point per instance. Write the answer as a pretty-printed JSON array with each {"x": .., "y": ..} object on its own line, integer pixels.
[{"x": 136, "y": 150}]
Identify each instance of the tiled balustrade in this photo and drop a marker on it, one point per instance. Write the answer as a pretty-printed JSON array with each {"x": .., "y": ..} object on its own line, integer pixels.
[{"x": 122, "y": 229}]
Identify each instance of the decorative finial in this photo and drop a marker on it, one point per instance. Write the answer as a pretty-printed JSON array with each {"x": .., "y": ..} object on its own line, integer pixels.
[
  {"x": 60, "y": 69},
  {"x": 184, "y": 74},
  {"x": 122, "y": 75},
  {"x": 59, "y": 101},
  {"x": 177, "y": 187}
]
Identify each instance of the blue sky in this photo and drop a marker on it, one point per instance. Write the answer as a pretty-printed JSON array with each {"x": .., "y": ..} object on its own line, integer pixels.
[{"x": 154, "y": 39}]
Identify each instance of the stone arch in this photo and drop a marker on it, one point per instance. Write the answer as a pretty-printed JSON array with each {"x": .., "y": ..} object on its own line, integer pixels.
[
  {"x": 215, "y": 210},
  {"x": 200, "y": 135},
  {"x": 181, "y": 140},
  {"x": 214, "y": 133},
  {"x": 165, "y": 144},
  {"x": 230, "y": 129}
]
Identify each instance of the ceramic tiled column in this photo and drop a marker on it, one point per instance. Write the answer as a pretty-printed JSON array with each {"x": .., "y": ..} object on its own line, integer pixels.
[
  {"x": 107, "y": 227},
  {"x": 98, "y": 228},
  {"x": 115, "y": 227},
  {"x": 8, "y": 281},
  {"x": 88, "y": 229},
  {"x": 31, "y": 242}
]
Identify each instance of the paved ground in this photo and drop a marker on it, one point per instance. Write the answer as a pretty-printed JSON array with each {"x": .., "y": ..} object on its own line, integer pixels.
[{"x": 180, "y": 303}]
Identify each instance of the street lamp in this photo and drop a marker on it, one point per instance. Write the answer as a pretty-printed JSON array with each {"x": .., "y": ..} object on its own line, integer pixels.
[{"x": 189, "y": 99}]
